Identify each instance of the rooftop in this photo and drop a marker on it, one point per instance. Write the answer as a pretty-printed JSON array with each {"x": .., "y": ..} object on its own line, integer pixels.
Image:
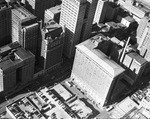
[
  {"x": 133, "y": 9},
  {"x": 122, "y": 108},
  {"x": 129, "y": 18},
  {"x": 89, "y": 48},
  {"x": 13, "y": 54},
  {"x": 140, "y": 60},
  {"x": 23, "y": 54},
  {"x": 114, "y": 25},
  {"x": 36, "y": 100},
  {"x": 52, "y": 30},
  {"x": 55, "y": 106},
  {"x": 23, "y": 14},
  {"x": 62, "y": 92},
  {"x": 24, "y": 109},
  {"x": 55, "y": 9},
  {"x": 77, "y": 2},
  {"x": 56, "y": 101}
]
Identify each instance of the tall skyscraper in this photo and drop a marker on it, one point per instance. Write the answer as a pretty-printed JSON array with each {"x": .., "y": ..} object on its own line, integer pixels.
[
  {"x": 5, "y": 23},
  {"x": 52, "y": 45},
  {"x": 25, "y": 28},
  {"x": 100, "y": 11},
  {"x": 143, "y": 38},
  {"x": 112, "y": 11},
  {"x": 53, "y": 13},
  {"x": 38, "y": 7},
  {"x": 95, "y": 73},
  {"x": 16, "y": 66},
  {"x": 88, "y": 19},
  {"x": 105, "y": 11},
  {"x": 141, "y": 28},
  {"x": 76, "y": 17}
]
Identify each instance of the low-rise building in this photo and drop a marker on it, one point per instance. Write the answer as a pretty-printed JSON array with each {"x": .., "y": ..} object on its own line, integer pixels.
[
  {"x": 122, "y": 108},
  {"x": 23, "y": 109},
  {"x": 56, "y": 101}
]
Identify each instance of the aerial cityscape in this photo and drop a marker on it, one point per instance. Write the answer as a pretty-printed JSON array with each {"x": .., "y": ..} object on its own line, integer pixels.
[{"x": 74, "y": 59}]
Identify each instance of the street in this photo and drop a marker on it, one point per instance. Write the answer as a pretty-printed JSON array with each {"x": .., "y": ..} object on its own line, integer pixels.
[{"x": 48, "y": 79}]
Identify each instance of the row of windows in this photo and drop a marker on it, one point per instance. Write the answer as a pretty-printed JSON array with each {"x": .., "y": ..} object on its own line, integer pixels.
[
  {"x": 70, "y": 8},
  {"x": 69, "y": 25},
  {"x": 69, "y": 11},
  {"x": 55, "y": 43},
  {"x": 69, "y": 16},
  {"x": 70, "y": 4}
]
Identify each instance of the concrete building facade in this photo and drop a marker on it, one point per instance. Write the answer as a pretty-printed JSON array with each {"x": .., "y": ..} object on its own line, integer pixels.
[
  {"x": 135, "y": 66},
  {"x": 105, "y": 11},
  {"x": 52, "y": 13},
  {"x": 77, "y": 18},
  {"x": 143, "y": 35},
  {"x": 112, "y": 11},
  {"x": 100, "y": 11},
  {"x": 38, "y": 7},
  {"x": 95, "y": 73},
  {"x": 137, "y": 12},
  {"x": 25, "y": 28}
]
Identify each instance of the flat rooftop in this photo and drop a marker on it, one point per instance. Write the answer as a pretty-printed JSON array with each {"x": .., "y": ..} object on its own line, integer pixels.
[
  {"x": 114, "y": 25},
  {"x": 89, "y": 48},
  {"x": 140, "y": 60},
  {"x": 56, "y": 107},
  {"x": 122, "y": 108},
  {"x": 133, "y": 9},
  {"x": 54, "y": 10},
  {"x": 50, "y": 103},
  {"x": 23, "y": 13},
  {"x": 74, "y": 2},
  {"x": 23, "y": 109},
  {"x": 13, "y": 54},
  {"x": 129, "y": 18},
  {"x": 62, "y": 92},
  {"x": 64, "y": 103}
]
